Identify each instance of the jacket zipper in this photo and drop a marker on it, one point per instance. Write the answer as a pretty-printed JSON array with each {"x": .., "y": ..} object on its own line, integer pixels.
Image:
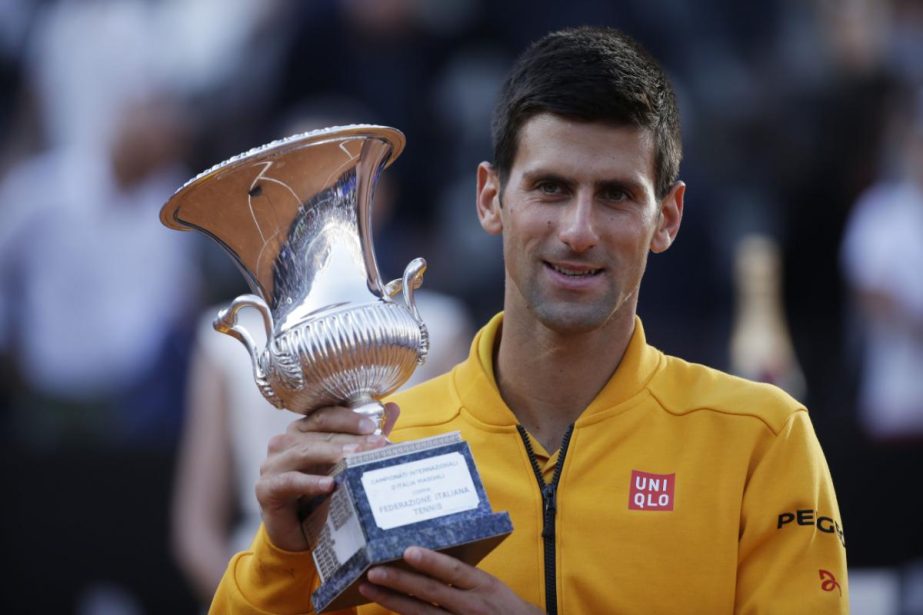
[{"x": 550, "y": 507}]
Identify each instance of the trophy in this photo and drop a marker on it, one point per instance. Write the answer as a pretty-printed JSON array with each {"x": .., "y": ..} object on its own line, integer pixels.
[{"x": 295, "y": 215}]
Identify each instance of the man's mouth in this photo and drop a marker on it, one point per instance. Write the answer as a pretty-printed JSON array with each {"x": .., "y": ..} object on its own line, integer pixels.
[{"x": 574, "y": 271}]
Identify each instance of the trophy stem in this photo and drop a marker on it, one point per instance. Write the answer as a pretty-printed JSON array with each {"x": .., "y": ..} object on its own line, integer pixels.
[{"x": 374, "y": 410}]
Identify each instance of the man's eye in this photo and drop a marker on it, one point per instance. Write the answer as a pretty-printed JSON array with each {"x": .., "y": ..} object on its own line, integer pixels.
[
  {"x": 615, "y": 195},
  {"x": 549, "y": 188}
]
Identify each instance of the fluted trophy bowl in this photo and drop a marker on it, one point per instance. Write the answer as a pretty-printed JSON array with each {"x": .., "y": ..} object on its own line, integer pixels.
[{"x": 295, "y": 215}]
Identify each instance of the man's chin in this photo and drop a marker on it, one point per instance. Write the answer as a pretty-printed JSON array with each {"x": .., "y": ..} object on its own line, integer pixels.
[{"x": 571, "y": 319}]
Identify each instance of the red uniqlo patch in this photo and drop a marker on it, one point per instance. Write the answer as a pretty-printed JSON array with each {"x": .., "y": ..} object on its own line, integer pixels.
[{"x": 651, "y": 491}]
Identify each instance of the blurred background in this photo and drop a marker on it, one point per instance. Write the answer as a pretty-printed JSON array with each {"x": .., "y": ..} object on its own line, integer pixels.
[{"x": 800, "y": 260}]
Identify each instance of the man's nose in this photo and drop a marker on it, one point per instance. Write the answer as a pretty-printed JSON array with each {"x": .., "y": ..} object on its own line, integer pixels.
[{"x": 578, "y": 229}]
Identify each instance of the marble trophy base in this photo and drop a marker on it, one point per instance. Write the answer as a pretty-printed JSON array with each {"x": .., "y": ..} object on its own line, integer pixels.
[{"x": 423, "y": 492}]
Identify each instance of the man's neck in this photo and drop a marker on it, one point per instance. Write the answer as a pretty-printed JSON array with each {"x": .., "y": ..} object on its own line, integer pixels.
[{"x": 548, "y": 378}]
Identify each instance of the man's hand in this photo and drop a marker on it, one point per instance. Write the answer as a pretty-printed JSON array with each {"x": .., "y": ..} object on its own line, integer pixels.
[
  {"x": 298, "y": 461},
  {"x": 441, "y": 584}
]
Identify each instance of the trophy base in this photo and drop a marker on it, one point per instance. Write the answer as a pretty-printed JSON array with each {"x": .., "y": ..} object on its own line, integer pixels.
[{"x": 423, "y": 492}]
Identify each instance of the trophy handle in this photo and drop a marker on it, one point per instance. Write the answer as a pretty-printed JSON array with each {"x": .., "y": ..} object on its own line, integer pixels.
[
  {"x": 413, "y": 279},
  {"x": 226, "y": 322}
]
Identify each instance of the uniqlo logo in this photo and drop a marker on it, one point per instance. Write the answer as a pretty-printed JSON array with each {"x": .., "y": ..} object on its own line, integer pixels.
[{"x": 651, "y": 491}]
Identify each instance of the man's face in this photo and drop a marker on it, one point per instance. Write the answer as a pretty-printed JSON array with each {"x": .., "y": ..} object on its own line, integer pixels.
[{"x": 578, "y": 214}]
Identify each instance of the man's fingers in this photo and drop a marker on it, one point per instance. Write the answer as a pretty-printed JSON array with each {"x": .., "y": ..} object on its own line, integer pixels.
[
  {"x": 439, "y": 580},
  {"x": 312, "y": 456},
  {"x": 280, "y": 490},
  {"x": 334, "y": 419},
  {"x": 282, "y": 442},
  {"x": 422, "y": 586},
  {"x": 315, "y": 452},
  {"x": 444, "y": 567}
]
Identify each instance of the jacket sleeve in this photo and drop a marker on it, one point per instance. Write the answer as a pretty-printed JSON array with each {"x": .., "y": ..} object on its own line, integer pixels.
[
  {"x": 792, "y": 554},
  {"x": 267, "y": 580}
]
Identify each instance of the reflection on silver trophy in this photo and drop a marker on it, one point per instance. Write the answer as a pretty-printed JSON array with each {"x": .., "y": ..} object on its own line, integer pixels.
[{"x": 295, "y": 214}]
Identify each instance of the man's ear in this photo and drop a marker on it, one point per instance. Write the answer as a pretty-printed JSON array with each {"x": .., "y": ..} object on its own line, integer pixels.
[
  {"x": 488, "y": 199},
  {"x": 671, "y": 215}
]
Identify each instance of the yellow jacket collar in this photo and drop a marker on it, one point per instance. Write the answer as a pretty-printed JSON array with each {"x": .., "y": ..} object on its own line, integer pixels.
[{"x": 477, "y": 387}]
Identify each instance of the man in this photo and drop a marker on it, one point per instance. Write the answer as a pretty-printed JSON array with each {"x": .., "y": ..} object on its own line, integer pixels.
[{"x": 636, "y": 482}]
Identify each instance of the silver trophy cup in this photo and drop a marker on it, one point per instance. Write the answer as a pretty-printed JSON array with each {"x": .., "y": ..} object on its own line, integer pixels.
[{"x": 295, "y": 215}]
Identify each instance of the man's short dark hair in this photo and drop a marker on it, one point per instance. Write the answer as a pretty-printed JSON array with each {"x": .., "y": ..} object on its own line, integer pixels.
[{"x": 595, "y": 75}]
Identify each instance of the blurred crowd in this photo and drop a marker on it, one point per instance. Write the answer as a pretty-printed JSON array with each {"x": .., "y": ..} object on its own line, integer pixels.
[{"x": 803, "y": 132}]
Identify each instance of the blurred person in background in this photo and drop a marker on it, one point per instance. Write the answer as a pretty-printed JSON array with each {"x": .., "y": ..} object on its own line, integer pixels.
[
  {"x": 109, "y": 81},
  {"x": 829, "y": 128},
  {"x": 93, "y": 294},
  {"x": 882, "y": 259},
  {"x": 95, "y": 300},
  {"x": 228, "y": 423}
]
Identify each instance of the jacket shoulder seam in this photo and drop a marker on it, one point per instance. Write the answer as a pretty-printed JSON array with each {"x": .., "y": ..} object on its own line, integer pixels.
[{"x": 743, "y": 414}]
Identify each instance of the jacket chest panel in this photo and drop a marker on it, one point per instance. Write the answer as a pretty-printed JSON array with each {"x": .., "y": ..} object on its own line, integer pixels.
[{"x": 655, "y": 506}]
